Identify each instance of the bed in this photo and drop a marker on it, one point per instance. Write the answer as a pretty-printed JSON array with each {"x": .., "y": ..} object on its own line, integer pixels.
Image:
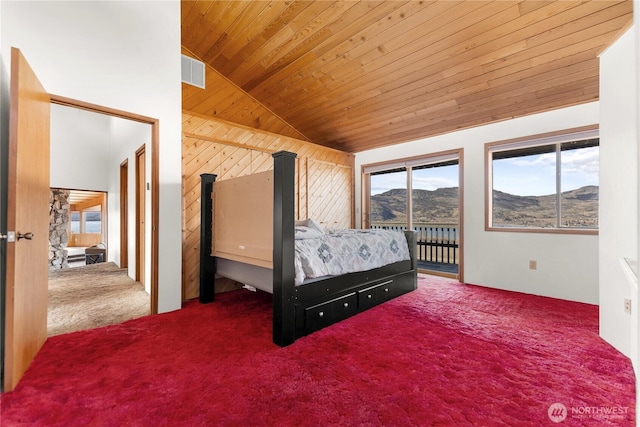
[{"x": 248, "y": 234}]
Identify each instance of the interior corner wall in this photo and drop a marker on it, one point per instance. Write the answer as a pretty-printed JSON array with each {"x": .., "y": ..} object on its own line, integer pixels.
[
  {"x": 121, "y": 55},
  {"x": 567, "y": 263},
  {"x": 618, "y": 191}
]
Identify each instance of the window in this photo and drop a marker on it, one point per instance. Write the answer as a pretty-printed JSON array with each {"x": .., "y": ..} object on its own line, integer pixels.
[
  {"x": 432, "y": 183},
  {"x": 92, "y": 220},
  {"x": 545, "y": 183},
  {"x": 75, "y": 222},
  {"x": 86, "y": 221}
]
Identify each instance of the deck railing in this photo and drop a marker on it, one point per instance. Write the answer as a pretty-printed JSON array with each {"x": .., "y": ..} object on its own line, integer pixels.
[{"x": 436, "y": 242}]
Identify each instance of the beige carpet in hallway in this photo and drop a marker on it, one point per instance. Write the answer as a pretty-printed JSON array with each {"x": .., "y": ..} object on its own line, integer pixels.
[{"x": 92, "y": 296}]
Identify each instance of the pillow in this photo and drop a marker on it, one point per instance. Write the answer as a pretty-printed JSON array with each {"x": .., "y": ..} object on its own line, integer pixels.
[
  {"x": 302, "y": 232},
  {"x": 309, "y": 223}
]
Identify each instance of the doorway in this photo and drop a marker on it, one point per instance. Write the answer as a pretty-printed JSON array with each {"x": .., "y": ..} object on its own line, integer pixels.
[{"x": 151, "y": 228}]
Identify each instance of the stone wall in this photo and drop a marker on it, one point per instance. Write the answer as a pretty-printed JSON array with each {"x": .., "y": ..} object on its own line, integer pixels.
[{"x": 59, "y": 217}]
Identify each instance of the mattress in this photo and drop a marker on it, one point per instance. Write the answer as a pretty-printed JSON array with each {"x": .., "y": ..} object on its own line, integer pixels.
[
  {"x": 325, "y": 254},
  {"x": 337, "y": 252}
]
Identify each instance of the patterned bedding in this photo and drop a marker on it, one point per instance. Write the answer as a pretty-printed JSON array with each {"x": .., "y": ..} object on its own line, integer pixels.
[{"x": 337, "y": 252}]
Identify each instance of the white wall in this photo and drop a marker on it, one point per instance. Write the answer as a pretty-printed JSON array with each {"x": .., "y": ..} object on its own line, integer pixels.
[
  {"x": 567, "y": 264},
  {"x": 4, "y": 147},
  {"x": 79, "y": 146},
  {"x": 123, "y": 55},
  {"x": 618, "y": 190},
  {"x": 620, "y": 99},
  {"x": 636, "y": 317}
]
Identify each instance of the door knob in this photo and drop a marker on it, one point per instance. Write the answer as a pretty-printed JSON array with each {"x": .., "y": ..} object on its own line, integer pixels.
[{"x": 27, "y": 236}]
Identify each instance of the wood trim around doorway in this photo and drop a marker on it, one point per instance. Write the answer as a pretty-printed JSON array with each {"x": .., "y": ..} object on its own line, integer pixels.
[{"x": 155, "y": 174}]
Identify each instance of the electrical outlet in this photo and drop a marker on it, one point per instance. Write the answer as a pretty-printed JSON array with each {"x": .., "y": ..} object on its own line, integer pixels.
[
  {"x": 627, "y": 305},
  {"x": 533, "y": 265}
]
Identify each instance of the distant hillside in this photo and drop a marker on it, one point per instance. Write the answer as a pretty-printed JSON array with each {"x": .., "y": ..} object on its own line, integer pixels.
[
  {"x": 440, "y": 205},
  {"x": 93, "y": 216},
  {"x": 88, "y": 216},
  {"x": 579, "y": 208}
]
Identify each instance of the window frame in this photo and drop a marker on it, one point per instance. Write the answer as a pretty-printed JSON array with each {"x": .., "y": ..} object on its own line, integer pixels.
[
  {"x": 408, "y": 164},
  {"x": 550, "y": 138}
]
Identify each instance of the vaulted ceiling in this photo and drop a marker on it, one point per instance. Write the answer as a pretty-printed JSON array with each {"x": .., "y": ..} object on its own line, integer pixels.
[{"x": 356, "y": 75}]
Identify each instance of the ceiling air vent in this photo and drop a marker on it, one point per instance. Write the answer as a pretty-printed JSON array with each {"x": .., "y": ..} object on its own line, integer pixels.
[{"x": 192, "y": 71}]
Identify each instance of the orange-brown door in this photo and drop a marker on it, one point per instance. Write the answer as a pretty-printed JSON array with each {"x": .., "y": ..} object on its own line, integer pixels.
[
  {"x": 27, "y": 219},
  {"x": 124, "y": 214},
  {"x": 141, "y": 185}
]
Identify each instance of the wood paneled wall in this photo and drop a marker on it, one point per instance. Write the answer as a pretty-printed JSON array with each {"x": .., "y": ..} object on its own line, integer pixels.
[
  {"x": 84, "y": 239},
  {"x": 324, "y": 177}
]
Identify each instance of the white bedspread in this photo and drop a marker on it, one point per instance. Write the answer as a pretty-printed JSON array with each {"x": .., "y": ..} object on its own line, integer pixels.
[{"x": 339, "y": 252}]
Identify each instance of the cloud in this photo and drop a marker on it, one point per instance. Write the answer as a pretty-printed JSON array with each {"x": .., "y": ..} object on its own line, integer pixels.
[
  {"x": 423, "y": 179},
  {"x": 547, "y": 161},
  {"x": 433, "y": 183},
  {"x": 583, "y": 162},
  {"x": 386, "y": 182},
  {"x": 535, "y": 175}
]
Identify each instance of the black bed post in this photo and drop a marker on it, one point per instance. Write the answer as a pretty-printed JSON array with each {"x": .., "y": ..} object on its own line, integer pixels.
[
  {"x": 284, "y": 165},
  {"x": 207, "y": 262},
  {"x": 412, "y": 238}
]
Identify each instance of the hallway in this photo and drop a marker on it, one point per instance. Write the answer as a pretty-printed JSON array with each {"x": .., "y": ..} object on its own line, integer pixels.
[{"x": 92, "y": 296}]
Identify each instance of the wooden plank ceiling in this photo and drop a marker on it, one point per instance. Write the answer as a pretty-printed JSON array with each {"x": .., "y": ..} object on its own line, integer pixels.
[{"x": 356, "y": 75}]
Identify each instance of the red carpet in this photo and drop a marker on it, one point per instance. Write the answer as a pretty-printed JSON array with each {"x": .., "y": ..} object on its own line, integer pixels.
[{"x": 446, "y": 354}]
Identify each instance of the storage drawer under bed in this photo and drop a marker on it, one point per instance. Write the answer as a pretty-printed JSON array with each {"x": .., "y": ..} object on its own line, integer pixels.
[
  {"x": 324, "y": 314},
  {"x": 376, "y": 294}
]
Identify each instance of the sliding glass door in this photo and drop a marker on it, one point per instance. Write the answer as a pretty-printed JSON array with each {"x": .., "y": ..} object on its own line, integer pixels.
[
  {"x": 435, "y": 215},
  {"x": 420, "y": 194}
]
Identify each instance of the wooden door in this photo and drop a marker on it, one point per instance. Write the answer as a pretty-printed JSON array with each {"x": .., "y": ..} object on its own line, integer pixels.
[
  {"x": 140, "y": 213},
  {"x": 28, "y": 217},
  {"x": 124, "y": 214}
]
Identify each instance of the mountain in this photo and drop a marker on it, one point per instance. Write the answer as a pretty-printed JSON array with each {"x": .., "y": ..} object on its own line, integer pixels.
[
  {"x": 440, "y": 205},
  {"x": 579, "y": 207},
  {"x": 93, "y": 216}
]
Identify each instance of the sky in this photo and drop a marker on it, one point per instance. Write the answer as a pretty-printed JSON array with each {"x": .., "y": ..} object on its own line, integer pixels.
[
  {"x": 523, "y": 176},
  {"x": 423, "y": 179},
  {"x": 535, "y": 175}
]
